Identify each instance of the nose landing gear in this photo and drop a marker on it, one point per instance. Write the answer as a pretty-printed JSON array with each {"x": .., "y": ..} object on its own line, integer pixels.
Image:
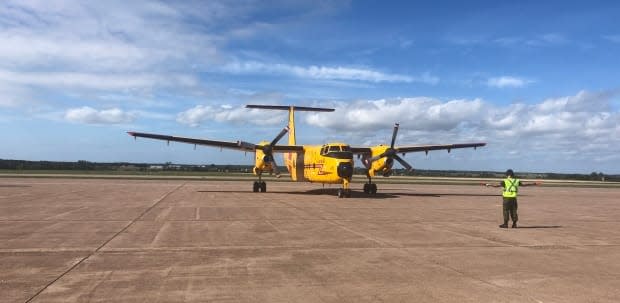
[{"x": 345, "y": 191}]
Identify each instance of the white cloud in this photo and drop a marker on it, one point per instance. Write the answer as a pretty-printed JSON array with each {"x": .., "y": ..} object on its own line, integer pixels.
[
  {"x": 13, "y": 96},
  {"x": 580, "y": 127},
  {"x": 200, "y": 114},
  {"x": 52, "y": 51},
  {"x": 112, "y": 34},
  {"x": 93, "y": 80},
  {"x": 551, "y": 39},
  {"x": 90, "y": 115},
  {"x": 507, "y": 81},
  {"x": 420, "y": 113},
  {"x": 324, "y": 72},
  {"x": 574, "y": 129},
  {"x": 133, "y": 50},
  {"x": 612, "y": 38}
]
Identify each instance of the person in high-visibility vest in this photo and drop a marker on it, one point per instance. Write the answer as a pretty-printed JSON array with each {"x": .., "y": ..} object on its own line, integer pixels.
[{"x": 510, "y": 190}]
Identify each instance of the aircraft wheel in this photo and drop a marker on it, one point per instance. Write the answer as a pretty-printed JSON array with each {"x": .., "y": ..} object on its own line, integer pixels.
[
  {"x": 373, "y": 188},
  {"x": 366, "y": 189},
  {"x": 255, "y": 187},
  {"x": 340, "y": 193},
  {"x": 263, "y": 187}
]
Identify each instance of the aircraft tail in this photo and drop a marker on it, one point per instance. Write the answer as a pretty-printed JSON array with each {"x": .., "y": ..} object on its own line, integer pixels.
[{"x": 292, "y": 140}]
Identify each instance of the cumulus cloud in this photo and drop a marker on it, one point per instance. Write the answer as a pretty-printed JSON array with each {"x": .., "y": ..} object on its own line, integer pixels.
[
  {"x": 575, "y": 130},
  {"x": 418, "y": 113},
  {"x": 200, "y": 114},
  {"x": 507, "y": 81},
  {"x": 578, "y": 116},
  {"x": 582, "y": 126},
  {"x": 90, "y": 115}
]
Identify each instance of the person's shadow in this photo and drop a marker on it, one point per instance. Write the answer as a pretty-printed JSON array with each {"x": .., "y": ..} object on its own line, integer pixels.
[{"x": 540, "y": 226}]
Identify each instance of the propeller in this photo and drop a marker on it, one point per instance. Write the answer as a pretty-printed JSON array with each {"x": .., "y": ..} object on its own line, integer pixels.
[
  {"x": 391, "y": 153},
  {"x": 268, "y": 150}
]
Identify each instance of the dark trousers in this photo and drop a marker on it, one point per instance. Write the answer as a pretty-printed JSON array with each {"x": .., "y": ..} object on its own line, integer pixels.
[{"x": 510, "y": 209}]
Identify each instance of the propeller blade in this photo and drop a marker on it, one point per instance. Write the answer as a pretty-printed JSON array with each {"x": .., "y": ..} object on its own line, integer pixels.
[
  {"x": 279, "y": 136},
  {"x": 375, "y": 158},
  {"x": 396, "y": 125},
  {"x": 403, "y": 162}
]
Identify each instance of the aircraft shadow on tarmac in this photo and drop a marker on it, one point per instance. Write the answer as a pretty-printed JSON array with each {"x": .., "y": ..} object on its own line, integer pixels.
[
  {"x": 14, "y": 185},
  {"x": 359, "y": 194}
]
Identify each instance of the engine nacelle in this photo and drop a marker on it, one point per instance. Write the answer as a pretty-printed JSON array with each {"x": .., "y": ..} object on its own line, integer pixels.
[
  {"x": 381, "y": 166},
  {"x": 262, "y": 162}
]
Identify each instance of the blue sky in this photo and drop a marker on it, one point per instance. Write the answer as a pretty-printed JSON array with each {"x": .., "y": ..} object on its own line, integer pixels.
[{"x": 537, "y": 81}]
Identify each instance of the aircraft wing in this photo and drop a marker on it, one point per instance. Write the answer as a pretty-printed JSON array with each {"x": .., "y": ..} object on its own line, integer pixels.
[
  {"x": 239, "y": 145},
  {"x": 426, "y": 148},
  {"x": 421, "y": 148}
]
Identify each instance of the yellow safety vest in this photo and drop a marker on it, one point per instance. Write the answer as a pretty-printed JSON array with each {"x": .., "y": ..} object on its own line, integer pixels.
[{"x": 511, "y": 187}]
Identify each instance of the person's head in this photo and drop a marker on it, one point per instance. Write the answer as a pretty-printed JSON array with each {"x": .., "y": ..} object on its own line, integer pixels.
[{"x": 510, "y": 173}]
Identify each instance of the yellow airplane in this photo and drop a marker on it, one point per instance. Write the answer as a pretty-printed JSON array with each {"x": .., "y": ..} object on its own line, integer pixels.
[{"x": 331, "y": 163}]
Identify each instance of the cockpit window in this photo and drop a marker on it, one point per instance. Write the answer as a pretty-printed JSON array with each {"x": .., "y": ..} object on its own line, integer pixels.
[{"x": 337, "y": 151}]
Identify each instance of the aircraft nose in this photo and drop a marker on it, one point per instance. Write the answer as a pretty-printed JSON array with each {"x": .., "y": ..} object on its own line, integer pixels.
[{"x": 345, "y": 170}]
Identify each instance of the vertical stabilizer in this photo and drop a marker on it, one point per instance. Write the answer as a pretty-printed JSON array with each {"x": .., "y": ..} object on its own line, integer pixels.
[{"x": 292, "y": 140}]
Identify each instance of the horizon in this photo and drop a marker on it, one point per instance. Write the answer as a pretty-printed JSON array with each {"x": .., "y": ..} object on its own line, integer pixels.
[
  {"x": 538, "y": 82},
  {"x": 396, "y": 170}
]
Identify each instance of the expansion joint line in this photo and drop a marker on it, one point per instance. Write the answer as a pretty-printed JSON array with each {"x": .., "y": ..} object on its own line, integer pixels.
[{"x": 162, "y": 198}]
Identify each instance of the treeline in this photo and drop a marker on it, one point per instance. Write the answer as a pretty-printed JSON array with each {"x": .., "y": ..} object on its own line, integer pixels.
[
  {"x": 22, "y": 165},
  {"x": 115, "y": 166},
  {"x": 594, "y": 176}
]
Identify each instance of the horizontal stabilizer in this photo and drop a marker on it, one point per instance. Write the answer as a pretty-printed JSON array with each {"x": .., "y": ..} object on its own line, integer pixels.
[{"x": 295, "y": 108}]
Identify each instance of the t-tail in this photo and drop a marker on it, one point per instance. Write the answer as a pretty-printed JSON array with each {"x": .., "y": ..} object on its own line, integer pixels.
[{"x": 290, "y": 159}]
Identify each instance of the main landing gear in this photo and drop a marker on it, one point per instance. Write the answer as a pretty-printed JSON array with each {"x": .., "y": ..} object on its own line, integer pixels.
[
  {"x": 259, "y": 186},
  {"x": 370, "y": 188}
]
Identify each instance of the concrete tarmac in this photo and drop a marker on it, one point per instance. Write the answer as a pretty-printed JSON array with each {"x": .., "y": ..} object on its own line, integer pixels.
[{"x": 73, "y": 240}]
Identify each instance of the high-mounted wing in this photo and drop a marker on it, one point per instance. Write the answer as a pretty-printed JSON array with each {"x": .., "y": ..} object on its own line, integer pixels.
[
  {"x": 239, "y": 145},
  {"x": 421, "y": 148},
  {"x": 390, "y": 153},
  {"x": 427, "y": 148}
]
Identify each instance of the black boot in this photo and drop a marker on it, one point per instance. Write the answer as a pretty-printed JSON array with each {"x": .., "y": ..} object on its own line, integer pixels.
[
  {"x": 505, "y": 225},
  {"x": 514, "y": 224}
]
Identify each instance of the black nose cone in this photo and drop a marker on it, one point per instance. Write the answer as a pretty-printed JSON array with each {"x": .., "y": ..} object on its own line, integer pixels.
[{"x": 345, "y": 170}]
